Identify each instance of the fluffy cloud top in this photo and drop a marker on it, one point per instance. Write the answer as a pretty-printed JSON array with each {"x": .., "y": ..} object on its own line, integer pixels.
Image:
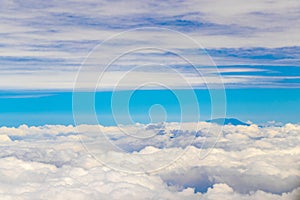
[{"x": 172, "y": 162}]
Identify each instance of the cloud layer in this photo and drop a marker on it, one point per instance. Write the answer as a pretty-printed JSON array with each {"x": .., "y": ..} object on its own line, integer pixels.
[
  {"x": 156, "y": 161},
  {"x": 46, "y": 41}
]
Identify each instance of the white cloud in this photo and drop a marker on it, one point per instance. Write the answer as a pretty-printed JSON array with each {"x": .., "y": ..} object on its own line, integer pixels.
[
  {"x": 223, "y": 191},
  {"x": 4, "y": 138},
  {"x": 68, "y": 30},
  {"x": 248, "y": 162}
]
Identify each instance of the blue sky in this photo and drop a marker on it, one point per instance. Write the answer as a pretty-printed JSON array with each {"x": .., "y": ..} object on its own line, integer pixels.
[
  {"x": 259, "y": 105},
  {"x": 253, "y": 45}
]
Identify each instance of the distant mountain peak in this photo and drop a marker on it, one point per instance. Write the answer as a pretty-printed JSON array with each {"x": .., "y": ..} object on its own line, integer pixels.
[{"x": 228, "y": 121}]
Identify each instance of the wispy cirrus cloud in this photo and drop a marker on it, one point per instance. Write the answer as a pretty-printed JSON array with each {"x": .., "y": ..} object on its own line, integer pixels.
[{"x": 56, "y": 36}]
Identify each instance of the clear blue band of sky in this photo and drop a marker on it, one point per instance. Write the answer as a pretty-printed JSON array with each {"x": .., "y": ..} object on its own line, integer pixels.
[{"x": 258, "y": 105}]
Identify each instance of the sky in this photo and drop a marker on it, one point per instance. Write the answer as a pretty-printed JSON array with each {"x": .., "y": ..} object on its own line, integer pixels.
[
  {"x": 253, "y": 44},
  {"x": 66, "y": 46},
  {"x": 118, "y": 99},
  {"x": 259, "y": 106}
]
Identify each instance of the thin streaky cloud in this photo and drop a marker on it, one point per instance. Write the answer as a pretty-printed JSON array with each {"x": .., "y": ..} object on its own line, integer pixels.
[{"x": 56, "y": 36}]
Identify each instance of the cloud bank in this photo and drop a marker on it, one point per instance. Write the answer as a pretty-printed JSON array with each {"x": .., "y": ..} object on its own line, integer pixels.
[{"x": 156, "y": 161}]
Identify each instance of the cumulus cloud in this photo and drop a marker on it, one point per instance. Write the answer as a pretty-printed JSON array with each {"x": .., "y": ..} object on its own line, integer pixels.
[{"x": 170, "y": 161}]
